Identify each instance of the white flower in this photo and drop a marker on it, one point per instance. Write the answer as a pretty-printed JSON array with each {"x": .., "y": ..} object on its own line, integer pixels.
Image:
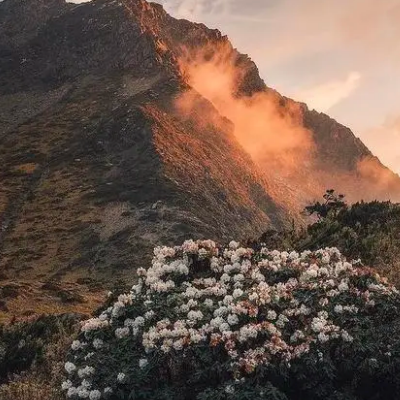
[
  {"x": 195, "y": 315},
  {"x": 324, "y": 302},
  {"x": 224, "y": 327},
  {"x": 86, "y": 372},
  {"x": 229, "y": 389},
  {"x": 83, "y": 393},
  {"x": 76, "y": 345},
  {"x": 98, "y": 344},
  {"x": 191, "y": 292},
  {"x": 238, "y": 278},
  {"x": 121, "y": 333},
  {"x": 203, "y": 253},
  {"x": 221, "y": 311},
  {"x": 149, "y": 314},
  {"x": 95, "y": 395},
  {"x": 347, "y": 337},
  {"x": 228, "y": 300},
  {"x": 184, "y": 308},
  {"x": 139, "y": 321},
  {"x": 271, "y": 315},
  {"x": 253, "y": 297},
  {"x": 72, "y": 391},
  {"x": 322, "y": 337},
  {"x": 94, "y": 324},
  {"x": 86, "y": 384},
  {"x": 338, "y": 309},
  {"x": 103, "y": 317},
  {"x": 233, "y": 319},
  {"x": 298, "y": 335},
  {"x": 237, "y": 293},
  {"x": 178, "y": 345},
  {"x": 247, "y": 332},
  {"x": 323, "y": 271},
  {"x": 332, "y": 293},
  {"x": 66, "y": 385},
  {"x": 121, "y": 377},
  {"x": 216, "y": 322},
  {"x": 225, "y": 277},
  {"x": 343, "y": 286},
  {"x": 282, "y": 319},
  {"x": 234, "y": 245},
  {"x": 323, "y": 314},
  {"x": 143, "y": 362},
  {"x": 89, "y": 355},
  {"x": 318, "y": 324},
  {"x": 304, "y": 310},
  {"x": 352, "y": 309},
  {"x": 190, "y": 246},
  {"x": 192, "y": 303},
  {"x": 70, "y": 367}
]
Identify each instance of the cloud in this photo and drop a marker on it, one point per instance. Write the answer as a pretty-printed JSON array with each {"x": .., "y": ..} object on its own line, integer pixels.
[
  {"x": 271, "y": 135},
  {"x": 195, "y": 9},
  {"x": 323, "y": 97}
]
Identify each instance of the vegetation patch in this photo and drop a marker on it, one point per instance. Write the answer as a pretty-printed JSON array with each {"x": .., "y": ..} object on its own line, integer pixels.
[
  {"x": 369, "y": 231},
  {"x": 207, "y": 322}
]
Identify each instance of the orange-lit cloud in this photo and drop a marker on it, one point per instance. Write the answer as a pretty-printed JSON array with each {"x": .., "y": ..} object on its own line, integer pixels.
[{"x": 268, "y": 132}]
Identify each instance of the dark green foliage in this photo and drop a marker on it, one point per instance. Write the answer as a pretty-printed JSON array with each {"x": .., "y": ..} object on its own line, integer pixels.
[
  {"x": 22, "y": 344},
  {"x": 366, "y": 231},
  {"x": 332, "y": 206}
]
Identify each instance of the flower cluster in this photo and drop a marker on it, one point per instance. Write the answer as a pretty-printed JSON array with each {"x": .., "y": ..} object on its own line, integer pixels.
[{"x": 258, "y": 307}]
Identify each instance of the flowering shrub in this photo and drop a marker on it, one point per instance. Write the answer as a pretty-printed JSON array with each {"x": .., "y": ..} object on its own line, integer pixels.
[
  {"x": 366, "y": 230},
  {"x": 205, "y": 322}
]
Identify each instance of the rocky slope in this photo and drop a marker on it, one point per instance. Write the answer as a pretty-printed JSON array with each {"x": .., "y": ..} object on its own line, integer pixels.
[{"x": 99, "y": 164}]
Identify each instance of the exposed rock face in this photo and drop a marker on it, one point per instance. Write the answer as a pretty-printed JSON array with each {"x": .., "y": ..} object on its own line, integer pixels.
[{"x": 97, "y": 164}]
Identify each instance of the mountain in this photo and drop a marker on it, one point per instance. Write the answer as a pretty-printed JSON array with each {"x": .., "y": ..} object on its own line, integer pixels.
[{"x": 110, "y": 143}]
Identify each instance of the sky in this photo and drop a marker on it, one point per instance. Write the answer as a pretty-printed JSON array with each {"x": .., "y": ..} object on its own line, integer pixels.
[{"x": 341, "y": 57}]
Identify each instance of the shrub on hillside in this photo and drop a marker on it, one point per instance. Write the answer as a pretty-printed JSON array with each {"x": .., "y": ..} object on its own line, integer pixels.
[
  {"x": 366, "y": 230},
  {"x": 212, "y": 323},
  {"x": 24, "y": 343}
]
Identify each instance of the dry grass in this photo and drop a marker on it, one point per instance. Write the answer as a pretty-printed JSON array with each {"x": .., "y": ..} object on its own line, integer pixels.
[
  {"x": 29, "y": 389},
  {"x": 34, "y": 298}
]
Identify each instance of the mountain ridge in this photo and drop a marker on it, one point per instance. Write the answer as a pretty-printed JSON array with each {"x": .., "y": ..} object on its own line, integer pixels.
[{"x": 100, "y": 161}]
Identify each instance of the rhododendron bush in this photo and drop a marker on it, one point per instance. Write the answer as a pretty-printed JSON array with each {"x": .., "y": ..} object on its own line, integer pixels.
[{"x": 205, "y": 322}]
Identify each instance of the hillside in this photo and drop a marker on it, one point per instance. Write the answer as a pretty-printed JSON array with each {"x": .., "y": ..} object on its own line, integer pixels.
[{"x": 110, "y": 144}]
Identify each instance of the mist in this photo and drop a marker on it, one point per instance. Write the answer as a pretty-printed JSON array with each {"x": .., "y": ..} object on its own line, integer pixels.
[{"x": 268, "y": 132}]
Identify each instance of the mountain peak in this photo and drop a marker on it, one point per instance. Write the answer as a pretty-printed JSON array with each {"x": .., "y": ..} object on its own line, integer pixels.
[{"x": 123, "y": 127}]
